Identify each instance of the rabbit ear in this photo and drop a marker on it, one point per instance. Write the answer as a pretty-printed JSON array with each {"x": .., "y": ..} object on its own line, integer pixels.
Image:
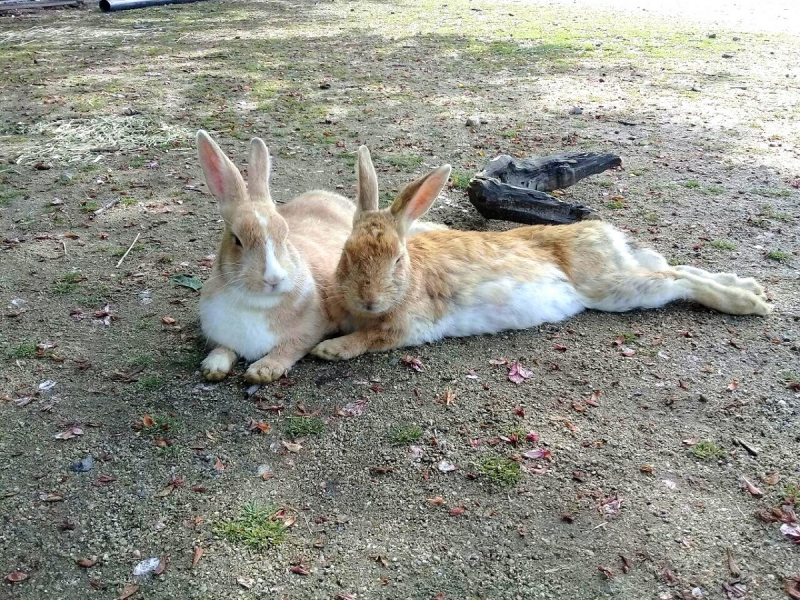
[
  {"x": 416, "y": 198},
  {"x": 367, "y": 191},
  {"x": 259, "y": 170},
  {"x": 222, "y": 176}
]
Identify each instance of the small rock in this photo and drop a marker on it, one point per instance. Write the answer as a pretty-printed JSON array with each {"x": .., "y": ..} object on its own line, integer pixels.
[
  {"x": 576, "y": 110},
  {"x": 146, "y": 567},
  {"x": 736, "y": 38},
  {"x": 712, "y": 35},
  {"x": 473, "y": 121},
  {"x": 65, "y": 177},
  {"x": 263, "y": 470},
  {"x": 83, "y": 466},
  {"x": 726, "y": 55},
  {"x": 694, "y": 88}
]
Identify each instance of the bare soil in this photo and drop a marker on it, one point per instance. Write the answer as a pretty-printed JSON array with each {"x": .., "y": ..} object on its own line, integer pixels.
[{"x": 98, "y": 110}]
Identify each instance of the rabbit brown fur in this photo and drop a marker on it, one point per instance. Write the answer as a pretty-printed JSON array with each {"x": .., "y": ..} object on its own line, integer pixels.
[{"x": 396, "y": 292}]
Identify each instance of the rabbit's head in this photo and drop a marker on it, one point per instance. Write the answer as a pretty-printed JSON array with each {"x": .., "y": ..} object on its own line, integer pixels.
[
  {"x": 255, "y": 256},
  {"x": 375, "y": 268}
]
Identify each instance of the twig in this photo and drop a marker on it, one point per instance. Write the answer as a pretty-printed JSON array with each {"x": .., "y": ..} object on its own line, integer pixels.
[
  {"x": 63, "y": 243},
  {"x": 106, "y": 207},
  {"x": 129, "y": 249}
]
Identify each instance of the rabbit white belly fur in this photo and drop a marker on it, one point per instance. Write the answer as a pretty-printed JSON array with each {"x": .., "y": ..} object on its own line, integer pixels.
[
  {"x": 504, "y": 304},
  {"x": 229, "y": 322}
]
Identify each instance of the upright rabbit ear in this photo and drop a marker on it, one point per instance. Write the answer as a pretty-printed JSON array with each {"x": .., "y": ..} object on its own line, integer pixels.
[
  {"x": 222, "y": 176},
  {"x": 258, "y": 171},
  {"x": 367, "y": 191},
  {"x": 416, "y": 198}
]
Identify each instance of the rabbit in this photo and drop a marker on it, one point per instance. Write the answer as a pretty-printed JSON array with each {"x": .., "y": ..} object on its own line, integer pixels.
[
  {"x": 396, "y": 292},
  {"x": 265, "y": 298}
]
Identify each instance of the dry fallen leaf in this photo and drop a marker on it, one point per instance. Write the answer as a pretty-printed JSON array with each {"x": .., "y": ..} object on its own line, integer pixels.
[
  {"x": 772, "y": 478},
  {"x": 594, "y": 399},
  {"x": 413, "y": 363},
  {"x": 16, "y": 576},
  {"x": 517, "y": 373},
  {"x": 626, "y": 564},
  {"x": 86, "y": 563},
  {"x": 792, "y": 587},
  {"x": 69, "y": 433},
  {"x": 260, "y": 427},
  {"x": 646, "y": 469},
  {"x": 147, "y": 420},
  {"x": 538, "y": 453},
  {"x": 129, "y": 591},
  {"x": 292, "y": 447},
  {"x": 754, "y": 491},
  {"x": 436, "y": 501},
  {"x": 198, "y": 554},
  {"x": 454, "y": 512},
  {"x": 732, "y": 566},
  {"x": 607, "y": 573},
  {"x": 792, "y": 532},
  {"x": 299, "y": 569},
  {"x": 162, "y": 565},
  {"x": 733, "y": 385}
]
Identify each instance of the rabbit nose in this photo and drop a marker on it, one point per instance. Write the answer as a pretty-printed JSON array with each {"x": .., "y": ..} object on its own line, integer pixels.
[
  {"x": 369, "y": 305},
  {"x": 272, "y": 281}
]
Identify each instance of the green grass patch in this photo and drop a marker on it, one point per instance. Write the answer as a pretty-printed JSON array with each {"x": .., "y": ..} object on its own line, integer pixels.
[
  {"x": 460, "y": 180},
  {"x": 7, "y": 196},
  {"x": 67, "y": 283},
  {"x": 769, "y": 212},
  {"x": 706, "y": 450},
  {"x": 628, "y": 337},
  {"x": 162, "y": 425},
  {"x": 723, "y": 244},
  {"x": 404, "y": 162},
  {"x": 791, "y": 490},
  {"x": 778, "y": 256},
  {"x": 615, "y": 204},
  {"x": 27, "y": 350},
  {"x": 691, "y": 184},
  {"x": 150, "y": 383},
  {"x": 503, "y": 471},
  {"x": 769, "y": 192},
  {"x": 651, "y": 218},
  {"x": 253, "y": 528},
  {"x": 297, "y": 427},
  {"x": 404, "y": 434},
  {"x": 142, "y": 360}
]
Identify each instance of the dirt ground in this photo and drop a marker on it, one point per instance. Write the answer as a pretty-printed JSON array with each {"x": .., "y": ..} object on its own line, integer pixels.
[{"x": 97, "y": 116}]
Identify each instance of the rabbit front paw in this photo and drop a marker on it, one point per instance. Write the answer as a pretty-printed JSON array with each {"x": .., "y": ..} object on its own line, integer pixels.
[
  {"x": 334, "y": 349},
  {"x": 218, "y": 364},
  {"x": 265, "y": 370}
]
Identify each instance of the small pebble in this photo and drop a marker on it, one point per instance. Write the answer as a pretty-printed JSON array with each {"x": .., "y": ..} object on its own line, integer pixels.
[
  {"x": 473, "y": 121},
  {"x": 577, "y": 110},
  {"x": 83, "y": 466}
]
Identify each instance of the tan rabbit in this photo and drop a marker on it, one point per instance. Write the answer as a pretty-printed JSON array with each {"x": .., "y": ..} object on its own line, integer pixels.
[
  {"x": 265, "y": 299},
  {"x": 400, "y": 292}
]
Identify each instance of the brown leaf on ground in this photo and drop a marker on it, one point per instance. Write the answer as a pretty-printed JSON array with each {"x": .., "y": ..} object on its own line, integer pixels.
[
  {"x": 626, "y": 564},
  {"x": 792, "y": 587},
  {"x": 413, "y": 363},
  {"x": 518, "y": 374},
  {"x": 260, "y": 427},
  {"x": 86, "y": 563},
  {"x": 147, "y": 420},
  {"x": 380, "y": 558},
  {"x": 594, "y": 399},
  {"x": 162, "y": 566},
  {"x": 103, "y": 480},
  {"x": 607, "y": 573},
  {"x": 646, "y": 469},
  {"x": 436, "y": 501},
  {"x": 299, "y": 570},
  {"x": 292, "y": 447},
  {"x": 772, "y": 478},
  {"x": 733, "y": 385},
  {"x": 754, "y": 491},
  {"x": 458, "y": 510},
  {"x": 218, "y": 464},
  {"x": 198, "y": 554},
  {"x": 732, "y": 566},
  {"x": 129, "y": 591},
  {"x": 16, "y": 576}
]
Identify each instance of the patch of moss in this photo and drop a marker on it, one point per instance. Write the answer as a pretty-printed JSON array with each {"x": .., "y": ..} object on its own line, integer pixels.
[
  {"x": 302, "y": 426},
  {"x": 404, "y": 434},
  {"x": 723, "y": 244},
  {"x": 27, "y": 350},
  {"x": 460, "y": 180},
  {"x": 150, "y": 383},
  {"x": 778, "y": 255},
  {"x": 503, "y": 471},
  {"x": 707, "y": 450}
]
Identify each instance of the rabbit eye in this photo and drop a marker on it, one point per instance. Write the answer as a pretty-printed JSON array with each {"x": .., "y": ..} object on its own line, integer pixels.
[{"x": 237, "y": 241}]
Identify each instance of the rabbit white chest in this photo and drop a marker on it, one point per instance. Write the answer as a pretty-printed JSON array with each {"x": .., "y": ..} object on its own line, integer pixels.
[
  {"x": 229, "y": 322},
  {"x": 503, "y": 304}
]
